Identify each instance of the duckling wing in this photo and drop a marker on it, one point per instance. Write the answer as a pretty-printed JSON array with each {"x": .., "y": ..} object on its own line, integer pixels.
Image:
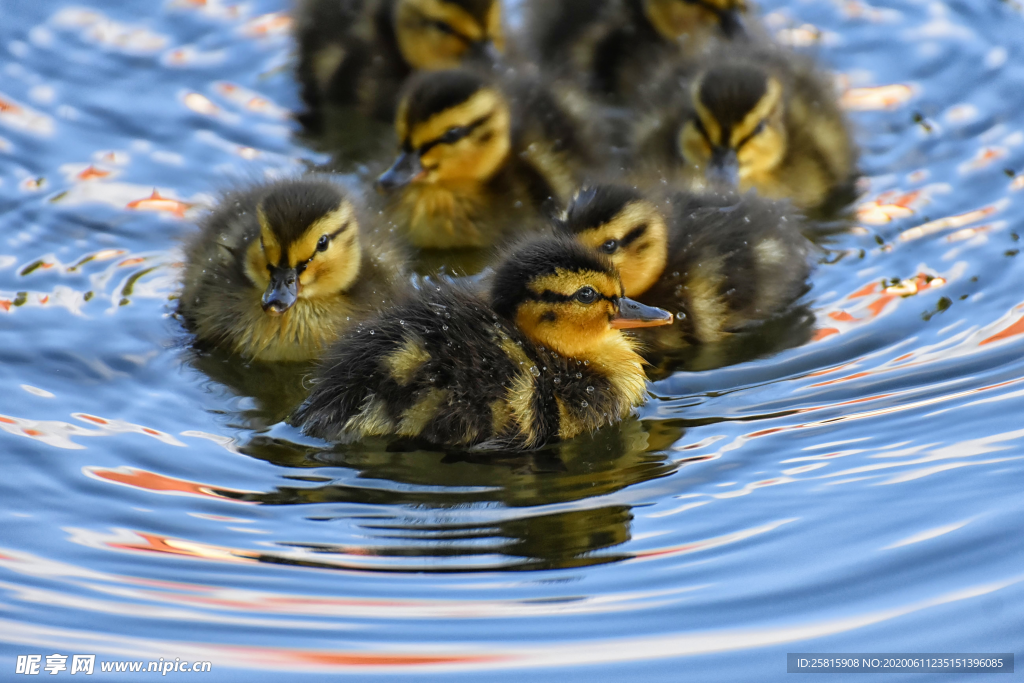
[
  {"x": 431, "y": 369},
  {"x": 733, "y": 261}
]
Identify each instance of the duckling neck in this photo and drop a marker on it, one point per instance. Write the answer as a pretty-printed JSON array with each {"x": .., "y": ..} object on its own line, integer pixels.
[
  {"x": 616, "y": 359},
  {"x": 445, "y": 215}
]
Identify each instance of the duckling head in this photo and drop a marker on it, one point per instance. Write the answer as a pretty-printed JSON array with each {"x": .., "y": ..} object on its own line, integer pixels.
[
  {"x": 308, "y": 246},
  {"x": 736, "y": 132},
  {"x": 454, "y": 128},
  {"x": 568, "y": 298},
  {"x": 620, "y": 222},
  {"x": 441, "y": 34},
  {"x": 675, "y": 19}
]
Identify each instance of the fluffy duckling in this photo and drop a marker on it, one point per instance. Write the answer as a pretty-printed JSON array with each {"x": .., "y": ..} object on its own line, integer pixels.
[
  {"x": 542, "y": 358},
  {"x": 478, "y": 159},
  {"x": 718, "y": 263},
  {"x": 614, "y": 46},
  {"x": 761, "y": 118},
  {"x": 276, "y": 271},
  {"x": 358, "y": 52}
]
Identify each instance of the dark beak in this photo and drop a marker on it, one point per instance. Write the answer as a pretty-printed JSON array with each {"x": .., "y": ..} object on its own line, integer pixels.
[
  {"x": 724, "y": 169},
  {"x": 634, "y": 314},
  {"x": 485, "y": 52},
  {"x": 282, "y": 291},
  {"x": 732, "y": 25},
  {"x": 405, "y": 170}
]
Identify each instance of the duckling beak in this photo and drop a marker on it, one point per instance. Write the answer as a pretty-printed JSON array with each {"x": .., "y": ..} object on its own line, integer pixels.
[
  {"x": 724, "y": 168},
  {"x": 282, "y": 292},
  {"x": 634, "y": 314},
  {"x": 405, "y": 170},
  {"x": 484, "y": 51},
  {"x": 732, "y": 24}
]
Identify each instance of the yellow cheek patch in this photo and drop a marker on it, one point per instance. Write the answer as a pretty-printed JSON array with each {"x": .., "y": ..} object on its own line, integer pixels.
[
  {"x": 693, "y": 146},
  {"x": 305, "y": 247},
  {"x": 271, "y": 248},
  {"x": 438, "y": 10},
  {"x": 479, "y": 105},
  {"x": 494, "y": 28},
  {"x": 256, "y": 265},
  {"x": 765, "y": 108},
  {"x": 405, "y": 363},
  {"x": 714, "y": 131}
]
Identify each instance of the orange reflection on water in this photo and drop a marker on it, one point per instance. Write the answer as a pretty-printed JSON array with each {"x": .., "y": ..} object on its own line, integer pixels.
[
  {"x": 157, "y": 202},
  {"x": 160, "y": 483},
  {"x": 707, "y": 544},
  {"x": 1012, "y": 330},
  {"x": 876, "y": 98},
  {"x": 890, "y": 205},
  {"x": 949, "y": 222},
  {"x": 870, "y": 301}
]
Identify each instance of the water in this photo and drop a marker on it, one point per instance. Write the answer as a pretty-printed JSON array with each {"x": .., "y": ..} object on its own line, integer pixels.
[{"x": 857, "y": 493}]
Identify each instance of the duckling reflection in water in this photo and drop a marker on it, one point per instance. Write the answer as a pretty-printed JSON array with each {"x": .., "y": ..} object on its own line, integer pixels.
[
  {"x": 278, "y": 270},
  {"x": 754, "y": 118},
  {"x": 577, "y": 479},
  {"x": 359, "y": 52},
  {"x": 718, "y": 263},
  {"x": 542, "y": 359},
  {"x": 479, "y": 160},
  {"x": 614, "y": 46}
]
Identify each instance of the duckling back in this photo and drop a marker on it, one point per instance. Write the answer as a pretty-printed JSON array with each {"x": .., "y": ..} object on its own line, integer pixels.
[
  {"x": 448, "y": 368},
  {"x": 615, "y": 47},
  {"x": 239, "y": 292},
  {"x": 733, "y": 262}
]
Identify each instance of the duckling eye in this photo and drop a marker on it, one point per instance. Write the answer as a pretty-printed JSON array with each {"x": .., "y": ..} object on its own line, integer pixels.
[
  {"x": 610, "y": 246},
  {"x": 442, "y": 27},
  {"x": 586, "y": 295},
  {"x": 321, "y": 244},
  {"x": 453, "y": 135},
  {"x": 758, "y": 129}
]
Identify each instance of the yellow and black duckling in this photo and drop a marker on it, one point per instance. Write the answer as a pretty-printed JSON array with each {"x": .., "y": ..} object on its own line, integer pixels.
[
  {"x": 277, "y": 271},
  {"x": 614, "y": 46},
  {"x": 359, "y": 52},
  {"x": 760, "y": 118},
  {"x": 718, "y": 263},
  {"x": 542, "y": 358},
  {"x": 479, "y": 159}
]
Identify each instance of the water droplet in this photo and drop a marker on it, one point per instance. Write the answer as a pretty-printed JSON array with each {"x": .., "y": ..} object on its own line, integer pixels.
[
  {"x": 586, "y": 363},
  {"x": 557, "y": 380},
  {"x": 579, "y": 375},
  {"x": 680, "y": 316},
  {"x": 584, "y": 404},
  {"x": 534, "y": 371},
  {"x": 444, "y": 327},
  {"x": 401, "y": 322},
  {"x": 372, "y": 332},
  {"x": 590, "y": 390}
]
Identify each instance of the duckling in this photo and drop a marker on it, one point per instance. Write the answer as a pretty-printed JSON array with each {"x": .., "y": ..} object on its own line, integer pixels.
[
  {"x": 762, "y": 118},
  {"x": 718, "y": 263},
  {"x": 542, "y": 358},
  {"x": 480, "y": 158},
  {"x": 358, "y": 52},
  {"x": 277, "y": 270},
  {"x": 614, "y": 46}
]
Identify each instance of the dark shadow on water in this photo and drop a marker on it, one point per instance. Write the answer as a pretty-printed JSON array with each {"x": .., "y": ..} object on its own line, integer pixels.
[{"x": 464, "y": 511}]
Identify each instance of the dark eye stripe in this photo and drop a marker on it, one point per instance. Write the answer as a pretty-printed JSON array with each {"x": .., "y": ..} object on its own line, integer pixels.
[
  {"x": 757, "y": 129},
  {"x": 547, "y": 296},
  {"x": 633, "y": 235},
  {"x": 463, "y": 132}
]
